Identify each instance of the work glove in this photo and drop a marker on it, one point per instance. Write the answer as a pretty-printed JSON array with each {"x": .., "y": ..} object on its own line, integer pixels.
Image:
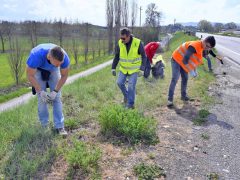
[
  {"x": 52, "y": 95},
  {"x": 114, "y": 72},
  {"x": 44, "y": 96},
  {"x": 193, "y": 73},
  {"x": 140, "y": 73},
  {"x": 220, "y": 59}
]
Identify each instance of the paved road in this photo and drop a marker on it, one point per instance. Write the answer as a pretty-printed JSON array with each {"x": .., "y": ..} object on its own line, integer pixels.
[
  {"x": 224, "y": 128},
  {"x": 227, "y": 46}
]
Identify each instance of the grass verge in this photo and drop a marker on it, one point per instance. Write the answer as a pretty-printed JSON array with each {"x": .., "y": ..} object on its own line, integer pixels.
[{"x": 82, "y": 101}]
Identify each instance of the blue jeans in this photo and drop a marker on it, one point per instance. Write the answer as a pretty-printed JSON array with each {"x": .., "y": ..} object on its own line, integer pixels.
[
  {"x": 57, "y": 104},
  {"x": 176, "y": 71},
  {"x": 129, "y": 93},
  {"x": 209, "y": 62},
  {"x": 147, "y": 69}
]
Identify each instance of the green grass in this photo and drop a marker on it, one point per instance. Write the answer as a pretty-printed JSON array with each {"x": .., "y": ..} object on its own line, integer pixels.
[
  {"x": 205, "y": 136},
  {"x": 128, "y": 124},
  {"x": 83, "y": 156},
  {"x": 201, "y": 117},
  {"x": 35, "y": 152},
  {"x": 148, "y": 172},
  {"x": 6, "y": 79},
  {"x": 5, "y": 72},
  {"x": 213, "y": 176},
  {"x": 82, "y": 102},
  {"x": 14, "y": 94}
]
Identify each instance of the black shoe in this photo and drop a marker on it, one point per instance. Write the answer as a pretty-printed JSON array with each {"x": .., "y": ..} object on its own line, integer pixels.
[
  {"x": 130, "y": 107},
  {"x": 186, "y": 98},
  {"x": 62, "y": 132},
  {"x": 170, "y": 104}
]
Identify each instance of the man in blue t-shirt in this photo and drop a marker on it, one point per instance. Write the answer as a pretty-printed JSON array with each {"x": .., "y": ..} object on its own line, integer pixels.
[{"x": 49, "y": 64}]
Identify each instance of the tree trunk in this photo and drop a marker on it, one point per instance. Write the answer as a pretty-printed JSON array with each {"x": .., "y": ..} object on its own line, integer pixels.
[{"x": 2, "y": 41}]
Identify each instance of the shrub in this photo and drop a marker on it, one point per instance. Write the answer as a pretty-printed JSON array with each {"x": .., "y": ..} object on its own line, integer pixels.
[
  {"x": 149, "y": 172},
  {"x": 201, "y": 117},
  {"x": 84, "y": 156},
  {"x": 130, "y": 124},
  {"x": 203, "y": 113}
]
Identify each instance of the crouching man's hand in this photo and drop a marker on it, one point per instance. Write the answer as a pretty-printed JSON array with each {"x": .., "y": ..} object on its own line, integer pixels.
[
  {"x": 44, "y": 96},
  {"x": 52, "y": 95}
]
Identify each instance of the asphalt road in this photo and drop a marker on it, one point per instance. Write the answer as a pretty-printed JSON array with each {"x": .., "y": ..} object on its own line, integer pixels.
[{"x": 226, "y": 46}]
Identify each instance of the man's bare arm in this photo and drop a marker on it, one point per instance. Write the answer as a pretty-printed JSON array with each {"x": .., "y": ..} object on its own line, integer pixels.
[
  {"x": 31, "y": 77},
  {"x": 62, "y": 80}
]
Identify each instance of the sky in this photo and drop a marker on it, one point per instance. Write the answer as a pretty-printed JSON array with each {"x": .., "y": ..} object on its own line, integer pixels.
[{"x": 93, "y": 11}]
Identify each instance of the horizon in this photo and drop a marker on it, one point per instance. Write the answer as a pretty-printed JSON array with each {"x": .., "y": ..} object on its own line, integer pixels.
[{"x": 87, "y": 11}]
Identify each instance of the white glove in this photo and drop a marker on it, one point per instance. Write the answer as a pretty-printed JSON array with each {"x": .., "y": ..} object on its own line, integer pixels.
[
  {"x": 43, "y": 96},
  {"x": 52, "y": 95},
  {"x": 193, "y": 73}
]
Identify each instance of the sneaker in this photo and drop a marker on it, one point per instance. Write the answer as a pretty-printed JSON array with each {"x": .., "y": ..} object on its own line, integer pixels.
[
  {"x": 169, "y": 104},
  {"x": 62, "y": 132},
  {"x": 130, "y": 107},
  {"x": 186, "y": 98}
]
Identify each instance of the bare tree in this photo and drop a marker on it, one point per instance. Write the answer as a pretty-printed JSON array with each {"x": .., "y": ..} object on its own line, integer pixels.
[
  {"x": 5, "y": 32},
  {"x": 31, "y": 28},
  {"x": 99, "y": 43},
  {"x": 153, "y": 16},
  {"x": 134, "y": 14},
  {"x": 16, "y": 60},
  {"x": 2, "y": 38},
  {"x": 205, "y": 26},
  {"x": 86, "y": 42},
  {"x": 230, "y": 25},
  {"x": 110, "y": 17},
  {"x": 117, "y": 15},
  {"x": 60, "y": 30},
  {"x": 218, "y": 27},
  {"x": 125, "y": 13},
  {"x": 75, "y": 50}
]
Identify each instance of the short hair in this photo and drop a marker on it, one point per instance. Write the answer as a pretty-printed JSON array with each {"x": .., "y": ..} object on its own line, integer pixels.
[
  {"x": 57, "y": 53},
  {"x": 125, "y": 31},
  {"x": 211, "y": 40}
]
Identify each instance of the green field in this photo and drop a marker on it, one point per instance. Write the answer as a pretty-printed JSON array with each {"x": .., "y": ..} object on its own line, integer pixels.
[
  {"x": 6, "y": 79},
  {"x": 26, "y": 149}
]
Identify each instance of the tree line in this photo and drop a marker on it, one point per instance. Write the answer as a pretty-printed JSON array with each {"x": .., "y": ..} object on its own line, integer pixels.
[
  {"x": 207, "y": 26},
  {"x": 80, "y": 40}
]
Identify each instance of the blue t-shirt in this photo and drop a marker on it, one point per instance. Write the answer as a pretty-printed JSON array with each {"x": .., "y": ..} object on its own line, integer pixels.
[{"x": 38, "y": 58}]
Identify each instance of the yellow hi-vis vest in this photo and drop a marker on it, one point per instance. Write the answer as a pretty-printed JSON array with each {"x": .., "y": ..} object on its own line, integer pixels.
[{"x": 130, "y": 62}]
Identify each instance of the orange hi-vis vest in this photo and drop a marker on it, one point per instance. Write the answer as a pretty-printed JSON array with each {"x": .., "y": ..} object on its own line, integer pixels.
[{"x": 195, "y": 59}]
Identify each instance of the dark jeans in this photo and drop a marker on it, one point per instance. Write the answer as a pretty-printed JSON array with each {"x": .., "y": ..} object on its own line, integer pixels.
[
  {"x": 176, "y": 71},
  {"x": 147, "y": 69},
  {"x": 209, "y": 62},
  {"x": 128, "y": 93}
]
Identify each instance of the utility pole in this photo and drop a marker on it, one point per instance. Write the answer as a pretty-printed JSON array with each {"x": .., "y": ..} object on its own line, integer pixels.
[{"x": 140, "y": 14}]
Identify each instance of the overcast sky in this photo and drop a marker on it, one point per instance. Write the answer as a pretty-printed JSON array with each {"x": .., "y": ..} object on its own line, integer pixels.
[{"x": 93, "y": 11}]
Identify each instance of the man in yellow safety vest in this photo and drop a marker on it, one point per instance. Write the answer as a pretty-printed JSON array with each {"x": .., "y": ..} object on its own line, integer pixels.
[{"x": 131, "y": 56}]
